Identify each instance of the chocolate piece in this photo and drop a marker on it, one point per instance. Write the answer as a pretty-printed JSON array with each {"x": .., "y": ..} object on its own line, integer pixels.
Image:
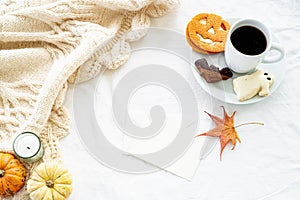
[
  {"x": 210, "y": 76},
  {"x": 202, "y": 63},
  {"x": 210, "y": 73},
  {"x": 212, "y": 67},
  {"x": 226, "y": 73}
]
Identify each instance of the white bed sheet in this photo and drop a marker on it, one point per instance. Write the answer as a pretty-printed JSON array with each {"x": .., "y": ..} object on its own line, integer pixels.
[{"x": 266, "y": 165}]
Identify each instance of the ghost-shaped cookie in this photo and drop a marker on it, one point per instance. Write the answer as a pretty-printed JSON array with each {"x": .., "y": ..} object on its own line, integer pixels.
[{"x": 248, "y": 86}]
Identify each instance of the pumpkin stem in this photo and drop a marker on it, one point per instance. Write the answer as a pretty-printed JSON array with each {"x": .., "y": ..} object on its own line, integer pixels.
[
  {"x": 50, "y": 184},
  {"x": 258, "y": 123},
  {"x": 2, "y": 173}
]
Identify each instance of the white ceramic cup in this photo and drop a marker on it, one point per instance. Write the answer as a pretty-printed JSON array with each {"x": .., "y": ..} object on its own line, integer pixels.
[{"x": 243, "y": 63}]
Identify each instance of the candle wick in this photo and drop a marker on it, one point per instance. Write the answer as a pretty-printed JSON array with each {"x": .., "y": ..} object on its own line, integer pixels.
[{"x": 28, "y": 147}]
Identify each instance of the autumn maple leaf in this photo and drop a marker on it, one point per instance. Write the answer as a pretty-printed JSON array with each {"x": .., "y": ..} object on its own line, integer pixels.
[{"x": 225, "y": 129}]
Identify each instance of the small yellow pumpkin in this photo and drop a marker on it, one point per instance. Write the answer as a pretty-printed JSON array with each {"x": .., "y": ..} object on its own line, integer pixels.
[
  {"x": 12, "y": 174},
  {"x": 50, "y": 181}
]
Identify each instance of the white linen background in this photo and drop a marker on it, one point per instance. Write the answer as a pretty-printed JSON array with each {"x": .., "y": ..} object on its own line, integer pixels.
[{"x": 266, "y": 165}]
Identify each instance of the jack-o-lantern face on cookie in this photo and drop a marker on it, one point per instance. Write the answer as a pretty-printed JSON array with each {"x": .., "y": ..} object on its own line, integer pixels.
[
  {"x": 194, "y": 46},
  {"x": 208, "y": 32}
]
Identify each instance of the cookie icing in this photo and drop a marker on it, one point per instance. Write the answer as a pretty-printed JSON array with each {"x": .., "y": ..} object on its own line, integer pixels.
[{"x": 250, "y": 85}]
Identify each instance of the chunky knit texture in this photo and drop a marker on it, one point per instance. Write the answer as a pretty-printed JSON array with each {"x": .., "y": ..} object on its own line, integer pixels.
[{"x": 45, "y": 45}]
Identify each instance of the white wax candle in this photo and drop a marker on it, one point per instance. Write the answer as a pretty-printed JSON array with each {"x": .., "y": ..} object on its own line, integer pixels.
[{"x": 28, "y": 146}]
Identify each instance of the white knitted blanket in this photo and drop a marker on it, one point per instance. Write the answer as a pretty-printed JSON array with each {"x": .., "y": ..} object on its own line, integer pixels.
[{"x": 45, "y": 45}]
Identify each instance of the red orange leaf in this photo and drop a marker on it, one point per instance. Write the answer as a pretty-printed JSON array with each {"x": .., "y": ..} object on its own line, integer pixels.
[{"x": 224, "y": 129}]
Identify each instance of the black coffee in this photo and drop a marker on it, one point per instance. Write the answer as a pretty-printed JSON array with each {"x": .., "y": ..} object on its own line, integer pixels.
[{"x": 249, "y": 40}]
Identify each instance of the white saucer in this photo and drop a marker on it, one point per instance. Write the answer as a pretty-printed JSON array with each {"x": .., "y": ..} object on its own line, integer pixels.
[{"x": 223, "y": 90}]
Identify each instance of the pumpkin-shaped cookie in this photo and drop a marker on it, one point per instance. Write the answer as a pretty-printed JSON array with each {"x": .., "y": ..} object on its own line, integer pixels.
[
  {"x": 12, "y": 175},
  {"x": 207, "y": 33},
  {"x": 50, "y": 181}
]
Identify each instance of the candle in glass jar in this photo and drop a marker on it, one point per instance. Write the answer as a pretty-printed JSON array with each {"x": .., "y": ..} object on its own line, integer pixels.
[{"x": 28, "y": 147}]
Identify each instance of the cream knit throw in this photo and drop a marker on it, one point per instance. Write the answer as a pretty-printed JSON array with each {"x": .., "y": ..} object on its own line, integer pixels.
[{"x": 47, "y": 44}]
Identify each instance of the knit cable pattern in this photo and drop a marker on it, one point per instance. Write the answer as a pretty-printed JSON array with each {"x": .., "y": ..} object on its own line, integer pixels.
[{"x": 45, "y": 45}]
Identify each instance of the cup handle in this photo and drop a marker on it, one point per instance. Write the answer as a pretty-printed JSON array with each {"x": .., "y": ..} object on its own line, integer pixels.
[{"x": 272, "y": 59}]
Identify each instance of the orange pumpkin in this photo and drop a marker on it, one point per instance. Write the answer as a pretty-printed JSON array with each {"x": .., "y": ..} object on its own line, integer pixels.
[{"x": 12, "y": 175}]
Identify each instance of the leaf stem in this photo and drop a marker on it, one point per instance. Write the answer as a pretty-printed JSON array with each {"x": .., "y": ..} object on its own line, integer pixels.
[{"x": 248, "y": 123}]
